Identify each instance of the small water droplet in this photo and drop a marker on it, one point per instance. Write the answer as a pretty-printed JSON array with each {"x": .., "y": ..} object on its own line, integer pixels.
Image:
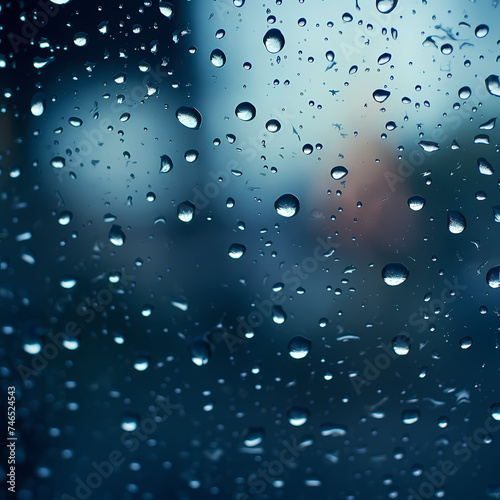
[
  {"x": 493, "y": 85},
  {"x": 38, "y": 104},
  {"x": 482, "y": 30},
  {"x": 299, "y": 347},
  {"x": 165, "y": 164},
  {"x": 236, "y": 251},
  {"x": 297, "y": 415},
  {"x": 167, "y": 9},
  {"x": 274, "y": 40},
  {"x": 416, "y": 203},
  {"x": 253, "y": 436},
  {"x": 395, "y": 273},
  {"x": 245, "y": 111},
  {"x": 279, "y": 315},
  {"x": 338, "y": 173},
  {"x": 201, "y": 352},
  {"x": 218, "y": 58},
  {"x": 456, "y": 222},
  {"x": 465, "y": 342},
  {"x": 484, "y": 166},
  {"x": 386, "y": 6},
  {"x": 273, "y": 126},
  {"x": 410, "y": 416},
  {"x": 464, "y": 93},
  {"x": 384, "y": 58},
  {"x": 186, "y": 211},
  {"x": 495, "y": 411},
  {"x": 287, "y": 205},
  {"x": 189, "y": 117},
  {"x": 429, "y": 146},
  {"x": 401, "y": 345},
  {"x": 116, "y": 236},
  {"x": 380, "y": 95},
  {"x": 57, "y": 162},
  {"x": 493, "y": 277}
]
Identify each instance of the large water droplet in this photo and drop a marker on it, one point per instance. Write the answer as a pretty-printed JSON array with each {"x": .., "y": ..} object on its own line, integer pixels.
[
  {"x": 165, "y": 164},
  {"x": 299, "y": 347},
  {"x": 493, "y": 277},
  {"x": 57, "y": 162},
  {"x": 287, "y": 205},
  {"x": 495, "y": 411},
  {"x": 395, "y": 273},
  {"x": 464, "y": 93},
  {"x": 38, "y": 104},
  {"x": 386, "y": 6},
  {"x": 410, "y": 416},
  {"x": 384, "y": 58},
  {"x": 200, "y": 352},
  {"x": 401, "y": 345},
  {"x": 456, "y": 222},
  {"x": 493, "y": 85},
  {"x": 489, "y": 125},
  {"x": 338, "y": 173},
  {"x": 185, "y": 211},
  {"x": 189, "y": 117},
  {"x": 484, "y": 166},
  {"x": 274, "y": 40},
  {"x": 380, "y": 95},
  {"x": 482, "y": 30},
  {"x": 116, "y": 235},
  {"x": 141, "y": 362},
  {"x": 297, "y": 415},
  {"x": 429, "y": 146},
  {"x": 167, "y": 9},
  {"x": 416, "y": 203},
  {"x": 236, "y": 250},
  {"x": 245, "y": 111},
  {"x": 218, "y": 58},
  {"x": 129, "y": 422},
  {"x": 273, "y": 126}
]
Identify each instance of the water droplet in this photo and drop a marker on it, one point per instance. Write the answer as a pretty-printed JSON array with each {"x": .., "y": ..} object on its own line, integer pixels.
[
  {"x": 191, "y": 155},
  {"x": 299, "y": 347},
  {"x": 429, "y": 146},
  {"x": 338, "y": 173},
  {"x": 416, "y": 203},
  {"x": 218, "y": 58},
  {"x": 167, "y": 9},
  {"x": 186, "y": 211},
  {"x": 274, "y": 40},
  {"x": 346, "y": 17},
  {"x": 456, "y": 222},
  {"x": 120, "y": 77},
  {"x": 386, "y": 6},
  {"x": 287, "y": 205},
  {"x": 200, "y": 352},
  {"x": 38, "y": 104},
  {"x": 297, "y": 415},
  {"x": 484, "y": 166},
  {"x": 245, "y": 111},
  {"x": 129, "y": 422},
  {"x": 464, "y": 93},
  {"x": 150, "y": 196},
  {"x": 273, "y": 126},
  {"x": 253, "y": 436},
  {"x": 401, "y": 345},
  {"x": 489, "y": 125},
  {"x": 147, "y": 310},
  {"x": 384, "y": 58},
  {"x": 493, "y": 277},
  {"x": 65, "y": 218},
  {"x": 141, "y": 362},
  {"x": 333, "y": 430},
  {"x": 493, "y": 85},
  {"x": 446, "y": 49},
  {"x": 330, "y": 56},
  {"x": 236, "y": 251},
  {"x": 165, "y": 164},
  {"x": 75, "y": 121},
  {"x": 395, "y": 273},
  {"x": 80, "y": 39},
  {"x": 465, "y": 342},
  {"x": 482, "y": 139},
  {"x": 482, "y": 30},
  {"x": 495, "y": 411},
  {"x": 410, "y": 416},
  {"x": 380, "y": 95},
  {"x": 57, "y": 162},
  {"x": 279, "y": 315},
  {"x": 189, "y": 117},
  {"x": 116, "y": 236}
]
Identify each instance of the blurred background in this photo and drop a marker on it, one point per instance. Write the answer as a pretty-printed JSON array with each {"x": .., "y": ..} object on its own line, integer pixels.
[{"x": 147, "y": 252}]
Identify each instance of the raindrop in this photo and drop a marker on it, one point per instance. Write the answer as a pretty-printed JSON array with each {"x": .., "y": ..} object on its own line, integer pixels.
[
  {"x": 484, "y": 166},
  {"x": 236, "y": 251},
  {"x": 495, "y": 411},
  {"x": 465, "y": 342},
  {"x": 185, "y": 211},
  {"x": 333, "y": 430},
  {"x": 116, "y": 236},
  {"x": 75, "y": 121},
  {"x": 416, "y": 203},
  {"x": 493, "y": 277},
  {"x": 428, "y": 146},
  {"x": 338, "y": 173},
  {"x": 120, "y": 77},
  {"x": 167, "y": 9},
  {"x": 297, "y": 415},
  {"x": 330, "y": 56},
  {"x": 464, "y": 93},
  {"x": 65, "y": 218},
  {"x": 493, "y": 85},
  {"x": 273, "y": 126},
  {"x": 384, "y": 58},
  {"x": 218, "y": 58},
  {"x": 456, "y": 222},
  {"x": 489, "y": 125},
  {"x": 245, "y": 111},
  {"x": 287, "y": 205},
  {"x": 346, "y": 17},
  {"x": 253, "y": 436},
  {"x": 38, "y": 104},
  {"x": 67, "y": 283},
  {"x": 482, "y": 30},
  {"x": 57, "y": 162},
  {"x": 386, "y": 6},
  {"x": 200, "y": 352},
  {"x": 380, "y": 95},
  {"x": 410, "y": 416},
  {"x": 165, "y": 164},
  {"x": 401, "y": 345},
  {"x": 395, "y": 273},
  {"x": 279, "y": 315},
  {"x": 299, "y": 347},
  {"x": 446, "y": 49},
  {"x": 191, "y": 155},
  {"x": 129, "y": 422},
  {"x": 189, "y": 117},
  {"x": 80, "y": 39},
  {"x": 274, "y": 40},
  {"x": 141, "y": 362}
]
